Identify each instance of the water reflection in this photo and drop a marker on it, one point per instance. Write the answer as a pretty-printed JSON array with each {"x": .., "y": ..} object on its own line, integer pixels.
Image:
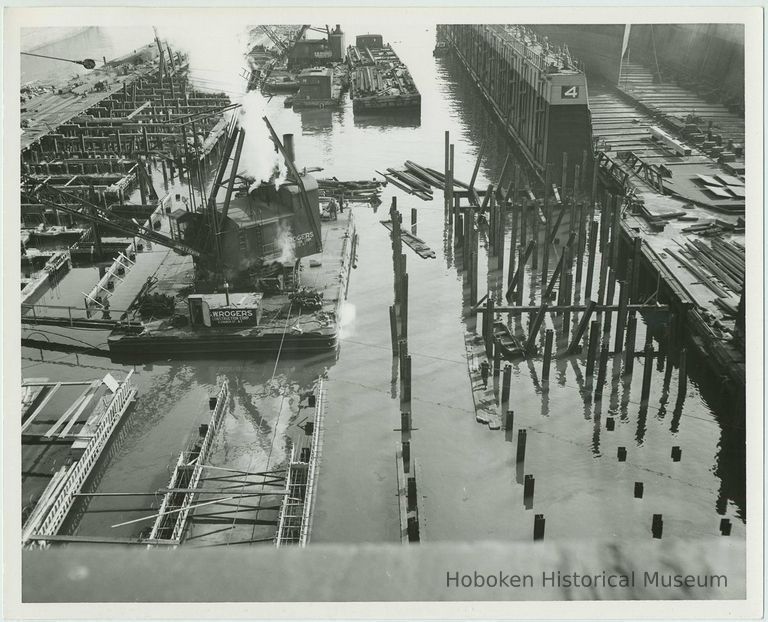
[
  {"x": 316, "y": 121},
  {"x": 386, "y": 120}
]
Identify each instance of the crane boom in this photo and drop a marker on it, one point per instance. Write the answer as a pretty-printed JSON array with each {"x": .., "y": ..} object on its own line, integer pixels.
[{"x": 99, "y": 215}]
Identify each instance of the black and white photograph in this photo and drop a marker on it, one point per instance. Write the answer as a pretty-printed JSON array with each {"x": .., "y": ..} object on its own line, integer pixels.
[{"x": 401, "y": 306}]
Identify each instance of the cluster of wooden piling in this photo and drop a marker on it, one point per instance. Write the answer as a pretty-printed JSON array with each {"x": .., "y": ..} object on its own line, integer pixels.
[
  {"x": 407, "y": 467},
  {"x": 103, "y": 152},
  {"x": 567, "y": 245}
]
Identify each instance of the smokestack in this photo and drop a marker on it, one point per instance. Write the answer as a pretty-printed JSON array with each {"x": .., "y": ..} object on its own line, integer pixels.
[{"x": 288, "y": 144}]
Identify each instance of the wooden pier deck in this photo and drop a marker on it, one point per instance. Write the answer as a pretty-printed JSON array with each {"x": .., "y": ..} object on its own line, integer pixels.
[{"x": 678, "y": 107}]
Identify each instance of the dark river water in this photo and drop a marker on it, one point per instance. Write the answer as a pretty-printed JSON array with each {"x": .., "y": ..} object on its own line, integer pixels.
[{"x": 468, "y": 472}]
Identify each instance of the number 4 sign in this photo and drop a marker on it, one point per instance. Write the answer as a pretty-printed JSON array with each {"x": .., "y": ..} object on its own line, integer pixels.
[{"x": 569, "y": 92}]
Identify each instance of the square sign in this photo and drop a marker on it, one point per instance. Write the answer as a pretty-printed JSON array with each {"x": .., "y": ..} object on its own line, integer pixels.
[{"x": 569, "y": 92}]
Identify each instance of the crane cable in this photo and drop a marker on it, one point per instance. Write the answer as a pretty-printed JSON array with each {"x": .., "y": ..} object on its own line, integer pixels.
[{"x": 274, "y": 435}]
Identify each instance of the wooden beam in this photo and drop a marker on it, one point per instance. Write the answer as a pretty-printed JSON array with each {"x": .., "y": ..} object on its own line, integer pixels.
[{"x": 573, "y": 308}]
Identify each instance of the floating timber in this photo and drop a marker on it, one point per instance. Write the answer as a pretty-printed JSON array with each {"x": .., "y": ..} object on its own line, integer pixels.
[{"x": 417, "y": 244}]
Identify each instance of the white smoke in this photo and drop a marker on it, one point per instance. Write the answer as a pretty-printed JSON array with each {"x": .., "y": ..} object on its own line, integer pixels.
[
  {"x": 259, "y": 158},
  {"x": 286, "y": 244},
  {"x": 217, "y": 63},
  {"x": 217, "y": 55}
]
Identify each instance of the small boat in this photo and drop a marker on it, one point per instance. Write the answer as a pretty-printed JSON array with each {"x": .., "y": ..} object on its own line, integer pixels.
[
  {"x": 441, "y": 49},
  {"x": 509, "y": 347}
]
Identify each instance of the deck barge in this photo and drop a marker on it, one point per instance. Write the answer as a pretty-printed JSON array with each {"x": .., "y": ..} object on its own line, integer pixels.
[
  {"x": 379, "y": 80},
  {"x": 283, "y": 326}
]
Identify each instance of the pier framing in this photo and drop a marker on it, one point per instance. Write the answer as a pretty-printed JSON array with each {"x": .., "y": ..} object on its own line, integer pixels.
[
  {"x": 56, "y": 500},
  {"x": 295, "y": 519}
]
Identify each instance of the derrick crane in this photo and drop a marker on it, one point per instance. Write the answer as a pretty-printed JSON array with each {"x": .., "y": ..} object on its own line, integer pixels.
[
  {"x": 99, "y": 215},
  {"x": 270, "y": 32},
  {"x": 239, "y": 240}
]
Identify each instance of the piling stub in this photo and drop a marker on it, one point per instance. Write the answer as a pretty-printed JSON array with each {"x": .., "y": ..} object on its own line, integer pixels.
[
  {"x": 638, "y": 490},
  {"x": 505, "y": 386},
  {"x": 647, "y": 371},
  {"x": 629, "y": 346},
  {"x": 212, "y": 400},
  {"x": 413, "y": 529},
  {"x": 601, "y": 371},
  {"x": 509, "y": 420},
  {"x": 406, "y": 456},
  {"x": 405, "y": 421},
  {"x": 412, "y": 500},
  {"x": 528, "y": 486},
  {"x": 393, "y": 330},
  {"x": 548, "y": 340},
  {"x": 682, "y": 378},
  {"x": 676, "y": 453},
  {"x": 621, "y": 454},
  {"x": 538, "y": 527},
  {"x": 610, "y": 424},
  {"x": 521, "y": 442},
  {"x": 657, "y": 526},
  {"x": 725, "y": 527}
]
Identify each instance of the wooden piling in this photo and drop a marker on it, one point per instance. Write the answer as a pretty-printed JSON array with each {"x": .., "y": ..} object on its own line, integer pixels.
[
  {"x": 452, "y": 173},
  {"x": 528, "y": 487},
  {"x": 682, "y": 377},
  {"x": 496, "y": 357},
  {"x": 611, "y": 281},
  {"x": 505, "y": 387},
  {"x": 538, "y": 527},
  {"x": 404, "y": 306},
  {"x": 575, "y": 346},
  {"x": 629, "y": 346},
  {"x": 509, "y": 420},
  {"x": 601, "y": 371},
  {"x": 621, "y": 316},
  {"x": 548, "y": 339},
  {"x": 603, "y": 274},
  {"x": 530, "y": 343},
  {"x": 564, "y": 181},
  {"x": 447, "y": 199},
  {"x": 521, "y": 442},
  {"x": 523, "y": 223},
  {"x": 547, "y": 224},
  {"x": 647, "y": 371},
  {"x": 594, "y": 340},
  {"x": 393, "y": 329},
  {"x": 657, "y": 526},
  {"x": 725, "y": 527},
  {"x": 408, "y": 379},
  {"x": 637, "y": 243},
  {"x": 512, "y": 245},
  {"x": 499, "y": 241},
  {"x": 580, "y": 246},
  {"x": 615, "y": 231},
  {"x": 566, "y": 297},
  {"x": 591, "y": 258},
  {"x": 413, "y": 220}
]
